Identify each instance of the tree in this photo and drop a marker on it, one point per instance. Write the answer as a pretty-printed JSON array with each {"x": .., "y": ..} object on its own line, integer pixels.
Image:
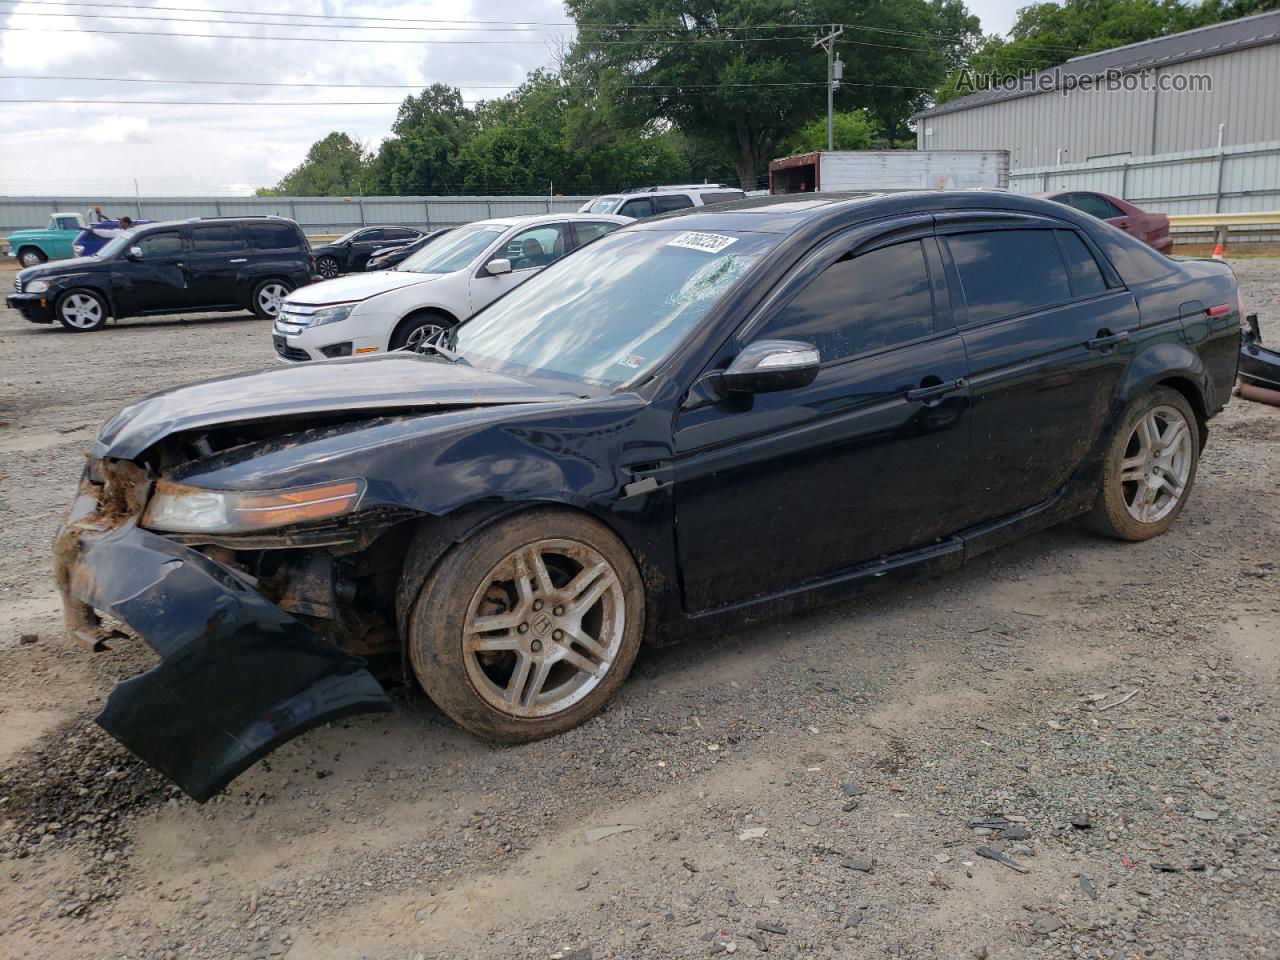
[
  {"x": 853, "y": 130},
  {"x": 420, "y": 158},
  {"x": 334, "y": 167},
  {"x": 750, "y": 86}
]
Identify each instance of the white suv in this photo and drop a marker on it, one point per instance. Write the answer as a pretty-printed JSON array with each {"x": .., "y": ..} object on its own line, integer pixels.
[
  {"x": 434, "y": 289},
  {"x": 650, "y": 201}
]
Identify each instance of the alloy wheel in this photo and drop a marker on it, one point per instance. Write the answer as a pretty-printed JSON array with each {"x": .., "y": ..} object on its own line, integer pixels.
[
  {"x": 423, "y": 334},
  {"x": 271, "y": 297},
  {"x": 1157, "y": 464},
  {"x": 543, "y": 628},
  {"x": 327, "y": 267},
  {"x": 81, "y": 311}
]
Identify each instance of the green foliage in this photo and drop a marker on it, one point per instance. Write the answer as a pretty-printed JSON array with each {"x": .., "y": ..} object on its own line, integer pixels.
[
  {"x": 741, "y": 96},
  {"x": 334, "y": 167},
  {"x": 853, "y": 130},
  {"x": 421, "y": 157}
]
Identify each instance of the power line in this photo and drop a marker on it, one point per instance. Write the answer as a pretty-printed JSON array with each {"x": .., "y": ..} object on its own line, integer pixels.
[
  {"x": 638, "y": 27},
  {"x": 417, "y": 86}
]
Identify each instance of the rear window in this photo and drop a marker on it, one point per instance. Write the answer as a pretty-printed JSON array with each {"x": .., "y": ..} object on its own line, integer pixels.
[
  {"x": 1008, "y": 272},
  {"x": 721, "y": 196},
  {"x": 214, "y": 239},
  {"x": 272, "y": 236}
]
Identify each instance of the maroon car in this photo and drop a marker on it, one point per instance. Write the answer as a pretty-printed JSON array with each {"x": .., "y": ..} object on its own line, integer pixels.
[{"x": 1151, "y": 228}]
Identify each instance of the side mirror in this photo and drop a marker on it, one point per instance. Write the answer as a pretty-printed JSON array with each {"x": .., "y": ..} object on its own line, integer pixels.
[
  {"x": 769, "y": 365},
  {"x": 497, "y": 266},
  {"x": 135, "y": 253}
]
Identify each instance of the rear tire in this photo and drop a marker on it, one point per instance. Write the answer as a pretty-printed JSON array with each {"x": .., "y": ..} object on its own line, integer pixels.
[
  {"x": 31, "y": 257},
  {"x": 1150, "y": 468},
  {"x": 81, "y": 311},
  {"x": 268, "y": 296},
  {"x": 418, "y": 327},
  {"x": 328, "y": 267},
  {"x": 527, "y": 628}
]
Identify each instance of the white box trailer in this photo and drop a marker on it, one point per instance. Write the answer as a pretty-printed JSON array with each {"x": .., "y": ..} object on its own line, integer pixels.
[{"x": 890, "y": 170}]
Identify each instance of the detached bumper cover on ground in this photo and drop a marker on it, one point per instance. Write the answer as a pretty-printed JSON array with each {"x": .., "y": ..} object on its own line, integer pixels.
[
  {"x": 1259, "y": 369},
  {"x": 237, "y": 677}
]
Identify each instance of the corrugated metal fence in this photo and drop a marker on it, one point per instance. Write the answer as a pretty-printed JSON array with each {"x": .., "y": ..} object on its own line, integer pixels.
[
  {"x": 317, "y": 215},
  {"x": 1241, "y": 179}
]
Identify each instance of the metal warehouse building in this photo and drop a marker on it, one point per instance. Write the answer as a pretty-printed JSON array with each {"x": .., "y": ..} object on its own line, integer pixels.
[{"x": 1042, "y": 127}]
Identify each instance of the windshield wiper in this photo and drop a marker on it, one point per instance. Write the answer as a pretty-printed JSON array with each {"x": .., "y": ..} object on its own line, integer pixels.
[{"x": 435, "y": 344}]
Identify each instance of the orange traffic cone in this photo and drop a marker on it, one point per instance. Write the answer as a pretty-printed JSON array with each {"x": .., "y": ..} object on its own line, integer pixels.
[{"x": 1217, "y": 251}]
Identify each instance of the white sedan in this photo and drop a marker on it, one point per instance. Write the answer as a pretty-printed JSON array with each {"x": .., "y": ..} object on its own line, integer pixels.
[{"x": 441, "y": 285}]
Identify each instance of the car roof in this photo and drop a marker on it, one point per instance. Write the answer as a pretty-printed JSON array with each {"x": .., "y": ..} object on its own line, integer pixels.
[
  {"x": 795, "y": 213},
  {"x": 554, "y": 215}
]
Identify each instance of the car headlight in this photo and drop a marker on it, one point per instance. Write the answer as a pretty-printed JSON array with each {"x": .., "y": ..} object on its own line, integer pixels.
[
  {"x": 177, "y": 508},
  {"x": 331, "y": 314},
  {"x": 37, "y": 286},
  {"x": 78, "y": 249}
]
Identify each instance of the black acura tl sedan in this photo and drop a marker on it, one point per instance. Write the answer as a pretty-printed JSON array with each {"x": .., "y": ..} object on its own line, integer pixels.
[{"x": 698, "y": 420}]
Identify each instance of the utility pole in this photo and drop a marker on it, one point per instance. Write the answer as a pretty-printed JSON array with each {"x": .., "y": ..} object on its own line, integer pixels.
[{"x": 835, "y": 70}]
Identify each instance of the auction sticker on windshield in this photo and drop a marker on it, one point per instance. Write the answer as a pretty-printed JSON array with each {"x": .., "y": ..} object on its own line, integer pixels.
[{"x": 706, "y": 242}]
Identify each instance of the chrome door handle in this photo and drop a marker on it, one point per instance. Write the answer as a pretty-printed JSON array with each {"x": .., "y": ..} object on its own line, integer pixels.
[{"x": 239, "y": 260}]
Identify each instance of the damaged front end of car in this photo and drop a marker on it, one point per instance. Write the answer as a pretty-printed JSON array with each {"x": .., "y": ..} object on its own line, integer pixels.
[{"x": 261, "y": 633}]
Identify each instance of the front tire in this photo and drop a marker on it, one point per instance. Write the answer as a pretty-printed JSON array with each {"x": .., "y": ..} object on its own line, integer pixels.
[
  {"x": 527, "y": 628},
  {"x": 268, "y": 297},
  {"x": 31, "y": 257},
  {"x": 418, "y": 328},
  {"x": 328, "y": 267},
  {"x": 81, "y": 311},
  {"x": 1150, "y": 468}
]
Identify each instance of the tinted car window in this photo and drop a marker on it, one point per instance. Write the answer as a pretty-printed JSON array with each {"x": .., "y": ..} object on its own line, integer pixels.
[
  {"x": 165, "y": 244},
  {"x": 861, "y": 303},
  {"x": 1007, "y": 272},
  {"x": 673, "y": 202},
  {"x": 637, "y": 208},
  {"x": 721, "y": 196},
  {"x": 1093, "y": 205},
  {"x": 1086, "y": 278},
  {"x": 213, "y": 239},
  {"x": 272, "y": 236},
  {"x": 588, "y": 231}
]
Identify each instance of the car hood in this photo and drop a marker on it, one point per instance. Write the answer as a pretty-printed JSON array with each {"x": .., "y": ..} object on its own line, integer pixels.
[
  {"x": 357, "y": 286},
  {"x": 400, "y": 382},
  {"x": 58, "y": 268}
]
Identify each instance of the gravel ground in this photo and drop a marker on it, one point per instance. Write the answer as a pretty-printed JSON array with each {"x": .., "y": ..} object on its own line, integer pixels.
[{"x": 1067, "y": 749}]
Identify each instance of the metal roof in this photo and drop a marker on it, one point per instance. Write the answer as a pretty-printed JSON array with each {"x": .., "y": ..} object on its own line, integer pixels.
[{"x": 1220, "y": 38}]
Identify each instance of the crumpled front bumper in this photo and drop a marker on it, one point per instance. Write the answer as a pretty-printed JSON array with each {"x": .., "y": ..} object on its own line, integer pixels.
[{"x": 237, "y": 675}]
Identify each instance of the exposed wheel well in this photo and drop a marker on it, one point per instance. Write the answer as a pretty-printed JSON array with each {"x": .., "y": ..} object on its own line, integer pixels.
[{"x": 1191, "y": 392}]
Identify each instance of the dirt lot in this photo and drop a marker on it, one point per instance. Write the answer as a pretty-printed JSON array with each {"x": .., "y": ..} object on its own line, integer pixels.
[{"x": 1103, "y": 715}]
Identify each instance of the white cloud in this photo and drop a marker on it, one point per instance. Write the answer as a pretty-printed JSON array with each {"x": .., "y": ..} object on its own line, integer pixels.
[{"x": 117, "y": 128}]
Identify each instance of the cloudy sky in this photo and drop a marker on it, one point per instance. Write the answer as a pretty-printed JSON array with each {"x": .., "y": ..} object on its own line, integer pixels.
[{"x": 186, "y": 148}]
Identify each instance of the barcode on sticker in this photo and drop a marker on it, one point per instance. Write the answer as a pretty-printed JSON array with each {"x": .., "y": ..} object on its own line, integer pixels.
[{"x": 706, "y": 242}]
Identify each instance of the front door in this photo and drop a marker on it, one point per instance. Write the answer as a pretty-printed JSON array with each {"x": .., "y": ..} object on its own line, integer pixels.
[
  {"x": 156, "y": 280},
  {"x": 776, "y": 489},
  {"x": 218, "y": 266},
  {"x": 1047, "y": 340},
  {"x": 528, "y": 251}
]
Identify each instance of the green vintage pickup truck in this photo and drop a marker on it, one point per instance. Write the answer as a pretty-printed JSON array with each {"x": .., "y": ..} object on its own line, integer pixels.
[{"x": 52, "y": 243}]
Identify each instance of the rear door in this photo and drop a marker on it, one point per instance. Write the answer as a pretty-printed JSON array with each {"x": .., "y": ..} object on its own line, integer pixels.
[
  {"x": 866, "y": 461},
  {"x": 218, "y": 265},
  {"x": 1045, "y": 325}
]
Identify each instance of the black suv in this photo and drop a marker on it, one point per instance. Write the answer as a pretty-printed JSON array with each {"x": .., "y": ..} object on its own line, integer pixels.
[
  {"x": 189, "y": 266},
  {"x": 350, "y": 253}
]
